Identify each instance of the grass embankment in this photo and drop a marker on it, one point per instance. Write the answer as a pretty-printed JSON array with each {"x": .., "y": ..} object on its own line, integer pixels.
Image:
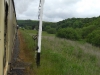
[
  {"x": 26, "y": 51},
  {"x": 65, "y": 57}
]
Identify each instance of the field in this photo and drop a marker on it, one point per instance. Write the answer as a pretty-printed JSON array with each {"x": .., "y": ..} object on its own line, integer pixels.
[{"x": 62, "y": 56}]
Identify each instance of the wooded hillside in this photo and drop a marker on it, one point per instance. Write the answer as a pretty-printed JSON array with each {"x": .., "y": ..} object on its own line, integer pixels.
[{"x": 86, "y": 29}]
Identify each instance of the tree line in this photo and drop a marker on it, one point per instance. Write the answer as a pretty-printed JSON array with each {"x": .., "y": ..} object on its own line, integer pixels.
[{"x": 87, "y": 29}]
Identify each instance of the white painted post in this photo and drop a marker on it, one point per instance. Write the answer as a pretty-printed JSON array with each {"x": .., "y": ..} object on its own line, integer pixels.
[{"x": 40, "y": 31}]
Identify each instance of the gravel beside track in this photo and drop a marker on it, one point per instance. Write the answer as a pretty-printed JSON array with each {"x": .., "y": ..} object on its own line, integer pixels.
[{"x": 17, "y": 65}]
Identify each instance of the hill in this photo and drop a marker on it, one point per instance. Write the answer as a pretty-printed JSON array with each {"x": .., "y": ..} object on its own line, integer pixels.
[{"x": 86, "y": 29}]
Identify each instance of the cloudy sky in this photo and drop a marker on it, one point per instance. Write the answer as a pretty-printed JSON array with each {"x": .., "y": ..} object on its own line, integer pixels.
[{"x": 57, "y": 10}]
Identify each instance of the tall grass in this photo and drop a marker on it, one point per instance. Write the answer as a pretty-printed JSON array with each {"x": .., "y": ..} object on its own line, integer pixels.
[{"x": 65, "y": 57}]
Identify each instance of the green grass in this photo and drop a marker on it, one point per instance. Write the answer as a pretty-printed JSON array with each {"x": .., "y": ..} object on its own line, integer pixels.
[
  {"x": 31, "y": 32},
  {"x": 28, "y": 39},
  {"x": 65, "y": 57}
]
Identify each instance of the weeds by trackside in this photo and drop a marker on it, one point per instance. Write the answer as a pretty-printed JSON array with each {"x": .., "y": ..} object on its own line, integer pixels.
[{"x": 64, "y": 57}]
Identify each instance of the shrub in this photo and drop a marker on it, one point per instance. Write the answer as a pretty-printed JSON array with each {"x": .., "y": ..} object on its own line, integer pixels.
[
  {"x": 88, "y": 30},
  {"x": 51, "y": 30},
  {"x": 68, "y": 33},
  {"x": 94, "y": 38}
]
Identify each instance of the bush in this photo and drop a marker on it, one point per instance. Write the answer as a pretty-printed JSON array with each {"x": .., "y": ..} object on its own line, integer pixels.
[
  {"x": 88, "y": 30},
  {"x": 94, "y": 38},
  {"x": 68, "y": 33},
  {"x": 51, "y": 31}
]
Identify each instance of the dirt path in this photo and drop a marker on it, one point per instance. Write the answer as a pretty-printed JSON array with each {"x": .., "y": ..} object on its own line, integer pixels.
[{"x": 25, "y": 55}]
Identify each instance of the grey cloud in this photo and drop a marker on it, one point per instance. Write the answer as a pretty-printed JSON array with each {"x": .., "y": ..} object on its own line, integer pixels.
[
  {"x": 23, "y": 5},
  {"x": 26, "y": 9},
  {"x": 56, "y": 10}
]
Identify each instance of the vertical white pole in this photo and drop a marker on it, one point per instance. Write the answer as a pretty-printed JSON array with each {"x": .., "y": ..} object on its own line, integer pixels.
[{"x": 40, "y": 31}]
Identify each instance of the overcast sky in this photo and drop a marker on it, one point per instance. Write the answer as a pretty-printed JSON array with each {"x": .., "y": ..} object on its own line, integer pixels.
[{"x": 57, "y": 10}]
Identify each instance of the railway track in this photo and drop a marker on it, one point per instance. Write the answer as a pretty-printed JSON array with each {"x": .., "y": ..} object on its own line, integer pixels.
[{"x": 17, "y": 65}]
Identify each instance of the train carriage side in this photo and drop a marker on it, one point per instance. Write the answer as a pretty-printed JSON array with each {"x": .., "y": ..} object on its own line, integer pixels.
[
  {"x": 1, "y": 35},
  {"x": 8, "y": 31}
]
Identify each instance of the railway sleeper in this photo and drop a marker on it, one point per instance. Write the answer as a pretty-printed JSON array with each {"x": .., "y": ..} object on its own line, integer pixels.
[
  {"x": 18, "y": 68},
  {"x": 13, "y": 70}
]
